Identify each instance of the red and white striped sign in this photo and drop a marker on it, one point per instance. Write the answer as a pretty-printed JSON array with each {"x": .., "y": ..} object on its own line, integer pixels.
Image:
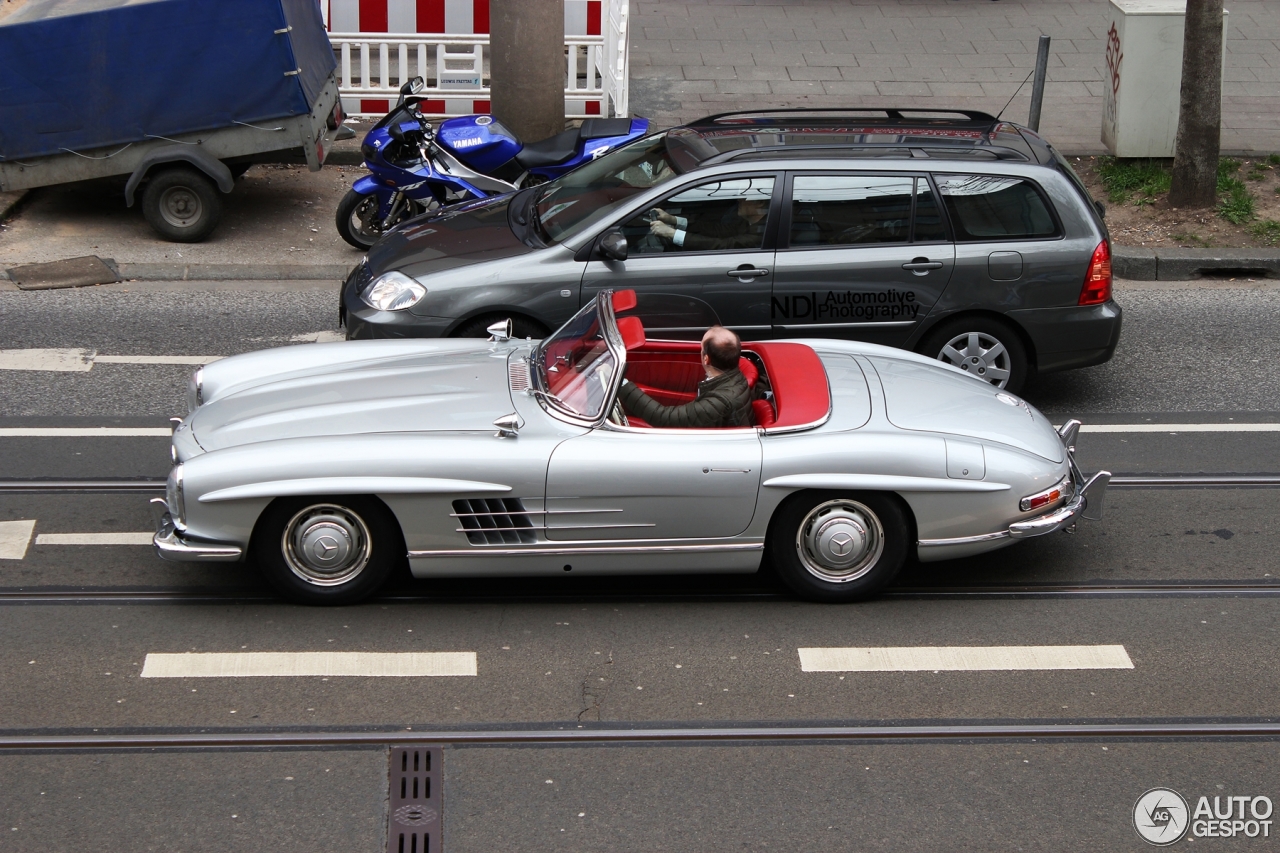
[{"x": 452, "y": 17}]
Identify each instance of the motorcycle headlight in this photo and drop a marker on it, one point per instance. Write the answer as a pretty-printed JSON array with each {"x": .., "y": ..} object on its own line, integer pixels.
[
  {"x": 174, "y": 498},
  {"x": 392, "y": 291}
]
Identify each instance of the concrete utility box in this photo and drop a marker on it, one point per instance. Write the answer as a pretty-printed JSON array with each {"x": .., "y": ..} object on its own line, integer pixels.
[{"x": 1144, "y": 76}]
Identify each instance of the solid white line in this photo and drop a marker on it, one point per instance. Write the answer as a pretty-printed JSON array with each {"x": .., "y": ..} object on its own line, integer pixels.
[
  {"x": 1180, "y": 428},
  {"x": 156, "y": 359},
  {"x": 63, "y": 360},
  {"x": 94, "y": 538},
  {"x": 15, "y": 536},
  {"x": 267, "y": 664},
  {"x": 82, "y": 432},
  {"x": 963, "y": 658}
]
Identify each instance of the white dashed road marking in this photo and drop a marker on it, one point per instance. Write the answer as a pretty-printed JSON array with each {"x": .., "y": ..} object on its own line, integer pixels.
[
  {"x": 155, "y": 359},
  {"x": 1180, "y": 428},
  {"x": 963, "y": 658},
  {"x": 15, "y": 536},
  {"x": 64, "y": 360},
  {"x": 94, "y": 538},
  {"x": 269, "y": 664},
  {"x": 82, "y": 432}
]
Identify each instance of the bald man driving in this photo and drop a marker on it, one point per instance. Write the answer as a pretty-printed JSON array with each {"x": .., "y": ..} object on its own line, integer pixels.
[{"x": 723, "y": 400}]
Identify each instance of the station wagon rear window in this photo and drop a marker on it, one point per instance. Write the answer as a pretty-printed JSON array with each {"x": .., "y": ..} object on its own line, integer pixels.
[{"x": 995, "y": 207}]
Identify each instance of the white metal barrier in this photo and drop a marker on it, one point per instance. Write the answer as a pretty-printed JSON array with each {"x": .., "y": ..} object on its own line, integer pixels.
[{"x": 373, "y": 66}]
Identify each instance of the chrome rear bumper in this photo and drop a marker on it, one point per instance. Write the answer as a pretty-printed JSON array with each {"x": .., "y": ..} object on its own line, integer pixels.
[{"x": 171, "y": 545}]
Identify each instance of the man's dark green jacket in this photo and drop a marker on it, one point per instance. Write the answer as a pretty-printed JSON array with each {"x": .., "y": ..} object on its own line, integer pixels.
[{"x": 722, "y": 401}]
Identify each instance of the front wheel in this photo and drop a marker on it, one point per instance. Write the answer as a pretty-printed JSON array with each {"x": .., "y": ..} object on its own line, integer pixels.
[
  {"x": 327, "y": 550},
  {"x": 357, "y": 219},
  {"x": 835, "y": 547}
]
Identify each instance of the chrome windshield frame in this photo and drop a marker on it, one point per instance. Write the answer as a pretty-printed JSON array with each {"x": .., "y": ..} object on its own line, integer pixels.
[{"x": 612, "y": 339}]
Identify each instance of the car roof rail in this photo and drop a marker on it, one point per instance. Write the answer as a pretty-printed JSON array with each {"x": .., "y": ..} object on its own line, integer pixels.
[
  {"x": 997, "y": 152},
  {"x": 894, "y": 113}
]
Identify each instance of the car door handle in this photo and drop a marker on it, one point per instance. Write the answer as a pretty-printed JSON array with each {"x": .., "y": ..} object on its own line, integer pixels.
[
  {"x": 919, "y": 265},
  {"x": 751, "y": 272}
]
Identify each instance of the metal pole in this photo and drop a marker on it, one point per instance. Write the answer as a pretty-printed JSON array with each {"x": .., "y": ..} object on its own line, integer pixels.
[
  {"x": 527, "y": 66},
  {"x": 1037, "y": 87}
]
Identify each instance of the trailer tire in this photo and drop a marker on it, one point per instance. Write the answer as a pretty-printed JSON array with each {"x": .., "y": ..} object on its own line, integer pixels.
[{"x": 182, "y": 204}]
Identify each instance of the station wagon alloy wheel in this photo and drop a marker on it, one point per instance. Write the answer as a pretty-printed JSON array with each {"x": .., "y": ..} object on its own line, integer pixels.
[
  {"x": 840, "y": 541},
  {"x": 326, "y": 545},
  {"x": 983, "y": 355}
]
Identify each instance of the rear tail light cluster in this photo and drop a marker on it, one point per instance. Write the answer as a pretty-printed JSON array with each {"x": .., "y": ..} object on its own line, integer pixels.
[
  {"x": 1046, "y": 498},
  {"x": 1097, "y": 281}
]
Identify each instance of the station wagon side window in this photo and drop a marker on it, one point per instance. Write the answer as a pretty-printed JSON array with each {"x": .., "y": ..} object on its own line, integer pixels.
[
  {"x": 723, "y": 215},
  {"x": 851, "y": 210},
  {"x": 995, "y": 207}
]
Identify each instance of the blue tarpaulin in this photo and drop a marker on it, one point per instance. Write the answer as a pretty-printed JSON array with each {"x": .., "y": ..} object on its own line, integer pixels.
[{"x": 84, "y": 74}]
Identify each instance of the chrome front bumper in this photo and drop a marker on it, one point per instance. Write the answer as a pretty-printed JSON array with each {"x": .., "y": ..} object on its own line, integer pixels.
[{"x": 171, "y": 545}]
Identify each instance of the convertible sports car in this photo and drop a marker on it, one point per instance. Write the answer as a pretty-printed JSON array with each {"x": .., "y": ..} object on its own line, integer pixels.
[{"x": 328, "y": 465}]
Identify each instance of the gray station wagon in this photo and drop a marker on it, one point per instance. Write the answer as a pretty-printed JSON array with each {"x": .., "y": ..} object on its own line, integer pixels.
[{"x": 956, "y": 235}]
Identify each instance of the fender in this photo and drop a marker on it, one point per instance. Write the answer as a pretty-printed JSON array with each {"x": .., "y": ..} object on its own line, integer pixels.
[
  {"x": 368, "y": 185},
  {"x": 193, "y": 154}
]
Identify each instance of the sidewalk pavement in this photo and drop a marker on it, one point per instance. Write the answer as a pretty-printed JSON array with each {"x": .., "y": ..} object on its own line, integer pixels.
[{"x": 694, "y": 57}]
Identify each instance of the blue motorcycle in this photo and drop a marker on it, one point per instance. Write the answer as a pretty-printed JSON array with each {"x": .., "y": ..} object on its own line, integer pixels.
[{"x": 417, "y": 168}]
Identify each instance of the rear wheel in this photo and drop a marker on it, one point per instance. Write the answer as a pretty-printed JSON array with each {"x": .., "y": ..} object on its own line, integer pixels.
[
  {"x": 983, "y": 347},
  {"x": 327, "y": 550},
  {"x": 834, "y": 547},
  {"x": 182, "y": 205}
]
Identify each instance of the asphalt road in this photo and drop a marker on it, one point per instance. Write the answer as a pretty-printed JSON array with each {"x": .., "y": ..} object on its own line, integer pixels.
[{"x": 1184, "y": 579}]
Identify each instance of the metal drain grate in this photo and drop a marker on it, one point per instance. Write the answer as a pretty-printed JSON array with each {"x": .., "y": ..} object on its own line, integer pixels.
[{"x": 413, "y": 816}]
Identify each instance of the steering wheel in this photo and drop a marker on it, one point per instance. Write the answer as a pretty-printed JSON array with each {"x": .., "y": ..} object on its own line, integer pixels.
[{"x": 617, "y": 415}]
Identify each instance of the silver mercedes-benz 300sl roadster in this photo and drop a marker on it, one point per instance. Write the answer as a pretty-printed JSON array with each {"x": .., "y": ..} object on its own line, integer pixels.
[{"x": 328, "y": 465}]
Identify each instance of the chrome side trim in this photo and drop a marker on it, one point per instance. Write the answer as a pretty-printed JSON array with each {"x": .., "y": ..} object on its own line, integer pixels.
[
  {"x": 544, "y": 527},
  {"x": 532, "y": 512},
  {"x": 559, "y": 551},
  {"x": 353, "y": 486},
  {"x": 963, "y": 540},
  {"x": 170, "y": 545},
  {"x": 881, "y": 482}
]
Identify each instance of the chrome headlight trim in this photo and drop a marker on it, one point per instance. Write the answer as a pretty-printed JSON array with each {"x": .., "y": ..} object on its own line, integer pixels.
[
  {"x": 175, "y": 499},
  {"x": 195, "y": 390},
  {"x": 392, "y": 291}
]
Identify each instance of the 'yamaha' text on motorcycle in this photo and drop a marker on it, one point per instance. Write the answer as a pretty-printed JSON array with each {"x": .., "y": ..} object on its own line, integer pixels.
[{"x": 416, "y": 168}]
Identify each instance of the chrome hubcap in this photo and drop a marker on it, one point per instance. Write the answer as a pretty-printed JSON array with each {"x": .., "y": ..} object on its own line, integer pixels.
[
  {"x": 180, "y": 206},
  {"x": 980, "y": 354},
  {"x": 840, "y": 541},
  {"x": 326, "y": 545}
]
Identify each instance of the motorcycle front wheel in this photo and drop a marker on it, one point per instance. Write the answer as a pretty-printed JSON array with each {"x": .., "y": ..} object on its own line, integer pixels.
[{"x": 357, "y": 219}]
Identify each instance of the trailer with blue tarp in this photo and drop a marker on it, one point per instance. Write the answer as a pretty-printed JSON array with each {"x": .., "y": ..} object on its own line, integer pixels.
[{"x": 180, "y": 95}]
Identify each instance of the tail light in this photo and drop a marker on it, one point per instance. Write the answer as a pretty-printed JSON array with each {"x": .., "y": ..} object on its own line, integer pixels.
[
  {"x": 1097, "y": 282},
  {"x": 1047, "y": 497}
]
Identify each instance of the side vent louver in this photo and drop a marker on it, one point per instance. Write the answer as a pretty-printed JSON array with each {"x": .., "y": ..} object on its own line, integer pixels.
[
  {"x": 518, "y": 373},
  {"x": 496, "y": 521}
]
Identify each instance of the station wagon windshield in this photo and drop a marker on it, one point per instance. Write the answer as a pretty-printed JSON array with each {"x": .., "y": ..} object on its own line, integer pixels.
[
  {"x": 576, "y": 365},
  {"x": 588, "y": 194}
]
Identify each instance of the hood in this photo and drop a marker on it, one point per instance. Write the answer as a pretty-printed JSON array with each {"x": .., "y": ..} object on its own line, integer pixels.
[
  {"x": 408, "y": 393},
  {"x": 458, "y": 236},
  {"x": 932, "y": 398}
]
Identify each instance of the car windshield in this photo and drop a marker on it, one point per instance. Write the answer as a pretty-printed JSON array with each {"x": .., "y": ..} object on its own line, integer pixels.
[
  {"x": 576, "y": 365},
  {"x": 588, "y": 194}
]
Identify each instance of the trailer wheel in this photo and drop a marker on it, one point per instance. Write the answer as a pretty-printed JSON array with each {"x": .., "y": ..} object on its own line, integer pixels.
[{"x": 182, "y": 205}]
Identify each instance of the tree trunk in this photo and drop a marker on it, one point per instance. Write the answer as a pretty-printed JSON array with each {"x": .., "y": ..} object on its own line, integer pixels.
[
  {"x": 1195, "y": 154},
  {"x": 527, "y": 66}
]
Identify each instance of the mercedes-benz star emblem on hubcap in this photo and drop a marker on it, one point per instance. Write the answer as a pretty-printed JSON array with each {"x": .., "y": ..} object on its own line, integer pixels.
[
  {"x": 841, "y": 544},
  {"x": 325, "y": 546}
]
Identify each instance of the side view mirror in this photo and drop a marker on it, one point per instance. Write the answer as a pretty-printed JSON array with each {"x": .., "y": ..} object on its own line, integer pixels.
[
  {"x": 613, "y": 245},
  {"x": 501, "y": 330},
  {"x": 412, "y": 87}
]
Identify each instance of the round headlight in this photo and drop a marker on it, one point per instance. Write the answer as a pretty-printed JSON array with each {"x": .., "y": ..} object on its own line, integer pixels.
[{"x": 392, "y": 291}]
